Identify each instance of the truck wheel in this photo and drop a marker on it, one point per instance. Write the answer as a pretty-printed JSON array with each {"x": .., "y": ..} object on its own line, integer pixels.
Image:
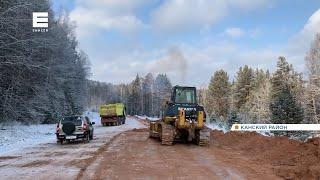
[
  {"x": 87, "y": 138},
  {"x": 60, "y": 141}
]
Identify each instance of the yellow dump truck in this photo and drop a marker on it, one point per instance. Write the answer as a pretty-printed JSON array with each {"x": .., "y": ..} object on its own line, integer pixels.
[{"x": 113, "y": 114}]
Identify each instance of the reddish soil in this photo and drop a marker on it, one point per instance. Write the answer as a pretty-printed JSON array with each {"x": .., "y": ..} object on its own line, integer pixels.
[
  {"x": 133, "y": 155},
  {"x": 288, "y": 158},
  {"x": 140, "y": 157}
]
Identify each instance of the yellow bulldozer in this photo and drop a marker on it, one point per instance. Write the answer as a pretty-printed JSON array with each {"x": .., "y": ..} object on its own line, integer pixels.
[{"x": 183, "y": 119}]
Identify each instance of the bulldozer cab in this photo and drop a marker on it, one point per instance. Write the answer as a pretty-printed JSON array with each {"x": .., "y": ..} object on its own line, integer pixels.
[{"x": 184, "y": 95}]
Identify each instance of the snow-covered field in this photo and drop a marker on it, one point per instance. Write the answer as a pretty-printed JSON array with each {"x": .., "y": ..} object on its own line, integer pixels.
[
  {"x": 44, "y": 158},
  {"x": 215, "y": 126},
  {"x": 14, "y": 138},
  {"x": 149, "y": 118},
  {"x": 17, "y": 137}
]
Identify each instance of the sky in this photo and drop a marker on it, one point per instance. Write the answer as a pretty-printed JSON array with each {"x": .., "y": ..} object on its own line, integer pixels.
[{"x": 190, "y": 39}]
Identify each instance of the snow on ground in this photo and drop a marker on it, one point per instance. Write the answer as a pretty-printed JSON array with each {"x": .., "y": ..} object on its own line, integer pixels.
[
  {"x": 50, "y": 160},
  {"x": 18, "y": 137},
  {"x": 13, "y": 138},
  {"x": 149, "y": 118},
  {"x": 222, "y": 127},
  {"x": 215, "y": 126}
]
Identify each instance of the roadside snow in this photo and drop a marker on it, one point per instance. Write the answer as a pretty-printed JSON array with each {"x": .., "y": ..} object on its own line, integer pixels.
[
  {"x": 50, "y": 160},
  {"x": 13, "y": 138},
  {"x": 219, "y": 127},
  {"x": 94, "y": 117},
  {"x": 149, "y": 118},
  {"x": 18, "y": 137}
]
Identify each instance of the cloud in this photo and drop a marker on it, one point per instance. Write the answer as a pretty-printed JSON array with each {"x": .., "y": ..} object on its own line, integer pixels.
[
  {"x": 180, "y": 14},
  {"x": 302, "y": 40},
  {"x": 298, "y": 46},
  {"x": 105, "y": 15},
  {"x": 185, "y": 64},
  {"x": 118, "y": 60},
  {"x": 234, "y": 32},
  {"x": 249, "y": 5},
  {"x": 183, "y": 15}
]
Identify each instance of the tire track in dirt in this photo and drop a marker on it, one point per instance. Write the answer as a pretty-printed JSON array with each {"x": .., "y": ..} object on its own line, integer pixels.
[
  {"x": 140, "y": 157},
  {"x": 90, "y": 160}
]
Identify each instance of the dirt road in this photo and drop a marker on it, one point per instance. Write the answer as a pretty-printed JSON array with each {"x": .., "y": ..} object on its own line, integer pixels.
[
  {"x": 126, "y": 152},
  {"x": 54, "y": 161},
  {"x": 132, "y": 155}
]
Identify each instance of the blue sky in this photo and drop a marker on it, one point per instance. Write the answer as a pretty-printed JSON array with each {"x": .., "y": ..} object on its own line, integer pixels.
[{"x": 190, "y": 39}]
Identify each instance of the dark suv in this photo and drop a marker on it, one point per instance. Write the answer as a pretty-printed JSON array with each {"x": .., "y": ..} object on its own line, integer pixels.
[{"x": 74, "y": 127}]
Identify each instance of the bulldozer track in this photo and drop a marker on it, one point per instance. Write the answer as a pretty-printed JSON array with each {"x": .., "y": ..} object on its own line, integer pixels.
[
  {"x": 203, "y": 137},
  {"x": 152, "y": 133},
  {"x": 167, "y": 134}
]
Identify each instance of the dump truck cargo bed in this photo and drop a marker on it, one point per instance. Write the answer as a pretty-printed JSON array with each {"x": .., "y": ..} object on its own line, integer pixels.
[
  {"x": 112, "y": 114},
  {"x": 111, "y": 110}
]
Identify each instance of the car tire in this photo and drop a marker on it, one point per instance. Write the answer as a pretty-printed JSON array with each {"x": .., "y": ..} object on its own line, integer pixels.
[
  {"x": 91, "y": 136},
  {"x": 87, "y": 140},
  {"x": 60, "y": 141}
]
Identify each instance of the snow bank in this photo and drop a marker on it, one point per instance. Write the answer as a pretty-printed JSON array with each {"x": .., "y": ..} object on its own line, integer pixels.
[
  {"x": 147, "y": 117},
  {"x": 17, "y": 137},
  {"x": 94, "y": 117},
  {"x": 222, "y": 127},
  {"x": 13, "y": 138},
  {"x": 215, "y": 126}
]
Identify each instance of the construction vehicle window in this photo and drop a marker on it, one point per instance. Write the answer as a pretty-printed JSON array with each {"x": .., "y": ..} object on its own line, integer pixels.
[{"x": 185, "y": 96}]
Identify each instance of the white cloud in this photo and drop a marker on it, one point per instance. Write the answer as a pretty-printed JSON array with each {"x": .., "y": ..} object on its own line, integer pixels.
[
  {"x": 302, "y": 40},
  {"x": 183, "y": 15},
  {"x": 103, "y": 15},
  {"x": 234, "y": 32},
  {"x": 118, "y": 63},
  {"x": 185, "y": 64},
  {"x": 114, "y": 6},
  {"x": 180, "y": 14},
  {"x": 299, "y": 45},
  {"x": 250, "y": 4}
]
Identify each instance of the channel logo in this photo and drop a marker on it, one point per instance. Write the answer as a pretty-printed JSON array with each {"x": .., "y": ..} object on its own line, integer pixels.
[{"x": 40, "y": 21}]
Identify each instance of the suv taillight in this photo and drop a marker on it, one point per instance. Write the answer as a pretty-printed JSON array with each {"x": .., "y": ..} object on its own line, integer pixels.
[
  {"x": 85, "y": 126},
  {"x": 58, "y": 128}
]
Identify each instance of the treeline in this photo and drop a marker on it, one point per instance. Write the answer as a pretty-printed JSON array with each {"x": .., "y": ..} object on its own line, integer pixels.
[
  {"x": 256, "y": 96},
  {"x": 143, "y": 96},
  {"x": 42, "y": 75}
]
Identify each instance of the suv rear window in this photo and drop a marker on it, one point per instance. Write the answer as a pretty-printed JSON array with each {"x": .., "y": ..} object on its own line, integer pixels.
[{"x": 74, "y": 119}]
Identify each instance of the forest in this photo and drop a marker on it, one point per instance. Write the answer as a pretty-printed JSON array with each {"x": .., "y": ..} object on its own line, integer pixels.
[
  {"x": 45, "y": 76},
  {"x": 42, "y": 75}
]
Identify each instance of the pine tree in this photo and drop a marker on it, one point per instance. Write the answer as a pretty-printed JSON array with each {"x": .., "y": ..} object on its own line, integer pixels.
[
  {"x": 285, "y": 110},
  {"x": 312, "y": 97},
  {"x": 162, "y": 93},
  {"x": 259, "y": 111},
  {"x": 147, "y": 94},
  {"x": 201, "y": 96},
  {"x": 285, "y": 107},
  {"x": 243, "y": 87},
  {"x": 136, "y": 97},
  {"x": 217, "y": 98}
]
